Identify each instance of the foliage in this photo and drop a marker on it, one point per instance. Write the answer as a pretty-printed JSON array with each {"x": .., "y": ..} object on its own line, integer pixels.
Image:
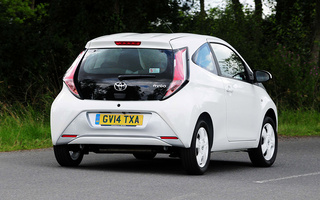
[
  {"x": 18, "y": 11},
  {"x": 23, "y": 127},
  {"x": 22, "y": 75},
  {"x": 41, "y": 38},
  {"x": 39, "y": 41},
  {"x": 299, "y": 123},
  {"x": 290, "y": 87},
  {"x": 282, "y": 47}
]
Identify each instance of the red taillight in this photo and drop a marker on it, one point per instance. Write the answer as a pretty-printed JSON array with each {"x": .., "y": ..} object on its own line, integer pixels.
[
  {"x": 127, "y": 43},
  {"x": 68, "y": 77},
  {"x": 179, "y": 71}
]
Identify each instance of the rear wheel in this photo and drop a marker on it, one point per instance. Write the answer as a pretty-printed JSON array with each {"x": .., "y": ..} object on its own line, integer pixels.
[
  {"x": 266, "y": 152},
  {"x": 68, "y": 157},
  {"x": 196, "y": 159},
  {"x": 144, "y": 156}
]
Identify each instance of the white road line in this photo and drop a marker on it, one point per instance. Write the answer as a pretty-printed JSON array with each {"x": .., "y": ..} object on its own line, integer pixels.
[{"x": 288, "y": 177}]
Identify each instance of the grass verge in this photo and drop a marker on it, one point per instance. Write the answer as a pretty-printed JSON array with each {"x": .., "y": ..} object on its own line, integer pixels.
[
  {"x": 23, "y": 128},
  {"x": 299, "y": 123}
]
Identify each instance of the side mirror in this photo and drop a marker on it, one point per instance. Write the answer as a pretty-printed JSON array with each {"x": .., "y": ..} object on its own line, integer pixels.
[{"x": 261, "y": 76}]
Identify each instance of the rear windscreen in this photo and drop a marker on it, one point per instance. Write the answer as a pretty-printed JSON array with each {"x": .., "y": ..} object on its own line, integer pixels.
[
  {"x": 127, "y": 61},
  {"x": 146, "y": 73}
]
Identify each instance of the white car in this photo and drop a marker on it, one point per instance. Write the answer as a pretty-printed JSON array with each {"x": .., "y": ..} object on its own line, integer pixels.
[{"x": 186, "y": 95}]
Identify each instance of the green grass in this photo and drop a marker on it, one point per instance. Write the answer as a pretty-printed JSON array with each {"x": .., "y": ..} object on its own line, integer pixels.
[
  {"x": 23, "y": 128},
  {"x": 299, "y": 123}
]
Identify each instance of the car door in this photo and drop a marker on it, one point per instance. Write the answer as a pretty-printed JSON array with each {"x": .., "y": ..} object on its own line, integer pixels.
[{"x": 242, "y": 100}]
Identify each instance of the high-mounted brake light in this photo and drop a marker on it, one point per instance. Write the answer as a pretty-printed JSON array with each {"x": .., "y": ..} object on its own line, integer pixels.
[
  {"x": 179, "y": 71},
  {"x": 68, "y": 77},
  {"x": 127, "y": 43}
]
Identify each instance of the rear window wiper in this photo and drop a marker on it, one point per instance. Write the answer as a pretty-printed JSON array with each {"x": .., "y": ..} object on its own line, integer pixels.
[{"x": 133, "y": 76}]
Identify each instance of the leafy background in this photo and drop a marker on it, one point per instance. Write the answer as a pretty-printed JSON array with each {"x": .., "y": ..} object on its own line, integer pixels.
[{"x": 39, "y": 39}]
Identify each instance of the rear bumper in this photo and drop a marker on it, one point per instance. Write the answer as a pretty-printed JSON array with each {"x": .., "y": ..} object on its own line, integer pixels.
[
  {"x": 119, "y": 140},
  {"x": 72, "y": 116},
  {"x": 150, "y": 133}
]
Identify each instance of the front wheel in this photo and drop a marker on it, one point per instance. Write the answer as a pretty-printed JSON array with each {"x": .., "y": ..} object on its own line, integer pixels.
[
  {"x": 68, "y": 157},
  {"x": 196, "y": 159},
  {"x": 266, "y": 152}
]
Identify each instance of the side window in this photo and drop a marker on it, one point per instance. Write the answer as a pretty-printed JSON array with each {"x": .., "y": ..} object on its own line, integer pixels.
[
  {"x": 203, "y": 58},
  {"x": 230, "y": 63}
]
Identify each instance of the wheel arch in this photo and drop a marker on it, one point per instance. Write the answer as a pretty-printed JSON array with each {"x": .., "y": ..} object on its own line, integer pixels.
[
  {"x": 272, "y": 114},
  {"x": 207, "y": 118}
]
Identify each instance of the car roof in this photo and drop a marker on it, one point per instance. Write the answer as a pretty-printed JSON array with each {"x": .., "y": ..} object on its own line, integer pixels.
[{"x": 148, "y": 40}]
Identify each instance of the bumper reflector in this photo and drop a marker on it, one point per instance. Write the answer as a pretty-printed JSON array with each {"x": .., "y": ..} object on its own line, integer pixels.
[
  {"x": 168, "y": 138},
  {"x": 69, "y": 136}
]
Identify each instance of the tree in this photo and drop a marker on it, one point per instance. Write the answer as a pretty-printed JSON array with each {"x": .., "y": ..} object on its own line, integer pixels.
[
  {"x": 237, "y": 9},
  {"x": 202, "y": 10},
  {"x": 20, "y": 62},
  {"x": 258, "y": 10},
  {"x": 316, "y": 36},
  {"x": 40, "y": 38}
]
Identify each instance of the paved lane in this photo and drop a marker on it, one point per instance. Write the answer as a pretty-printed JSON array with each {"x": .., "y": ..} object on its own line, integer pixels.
[{"x": 36, "y": 175}]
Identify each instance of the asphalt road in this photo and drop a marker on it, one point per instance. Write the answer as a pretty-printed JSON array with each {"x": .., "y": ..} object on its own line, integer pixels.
[{"x": 36, "y": 175}]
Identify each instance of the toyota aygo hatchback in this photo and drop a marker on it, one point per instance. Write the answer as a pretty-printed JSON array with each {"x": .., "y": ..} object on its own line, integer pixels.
[{"x": 186, "y": 95}]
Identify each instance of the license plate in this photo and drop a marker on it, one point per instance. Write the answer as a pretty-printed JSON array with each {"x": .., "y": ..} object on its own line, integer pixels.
[{"x": 118, "y": 120}]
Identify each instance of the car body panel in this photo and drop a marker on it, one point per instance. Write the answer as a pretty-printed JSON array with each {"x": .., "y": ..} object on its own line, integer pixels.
[{"x": 236, "y": 116}]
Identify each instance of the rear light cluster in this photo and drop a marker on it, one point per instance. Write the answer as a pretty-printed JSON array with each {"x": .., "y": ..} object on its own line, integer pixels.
[
  {"x": 180, "y": 71},
  {"x": 68, "y": 77}
]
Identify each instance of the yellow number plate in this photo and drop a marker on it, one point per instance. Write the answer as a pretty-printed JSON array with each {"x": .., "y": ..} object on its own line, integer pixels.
[{"x": 118, "y": 120}]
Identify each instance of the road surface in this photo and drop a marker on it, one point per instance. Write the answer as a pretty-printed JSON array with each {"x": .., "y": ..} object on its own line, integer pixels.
[{"x": 36, "y": 175}]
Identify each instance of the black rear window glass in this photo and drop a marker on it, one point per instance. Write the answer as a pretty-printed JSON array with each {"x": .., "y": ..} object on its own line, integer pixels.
[{"x": 127, "y": 61}]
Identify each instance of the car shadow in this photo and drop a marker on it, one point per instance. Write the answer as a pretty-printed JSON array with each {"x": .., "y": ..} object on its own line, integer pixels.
[
  {"x": 132, "y": 165},
  {"x": 158, "y": 166}
]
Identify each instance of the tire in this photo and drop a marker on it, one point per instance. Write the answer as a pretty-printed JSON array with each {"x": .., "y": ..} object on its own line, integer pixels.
[
  {"x": 144, "y": 156},
  {"x": 196, "y": 159},
  {"x": 67, "y": 157},
  {"x": 266, "y": 152}
]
